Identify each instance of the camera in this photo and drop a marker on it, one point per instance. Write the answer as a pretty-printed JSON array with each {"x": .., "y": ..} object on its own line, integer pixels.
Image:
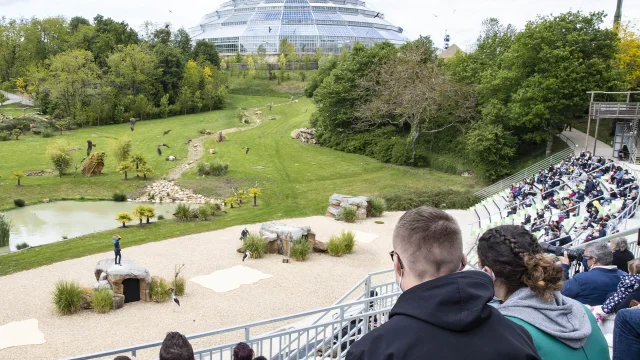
[{"x": 559, "y": 251}]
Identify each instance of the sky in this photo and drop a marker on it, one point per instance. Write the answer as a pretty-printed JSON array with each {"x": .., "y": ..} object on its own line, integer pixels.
[{"x": 462, "y": 19}]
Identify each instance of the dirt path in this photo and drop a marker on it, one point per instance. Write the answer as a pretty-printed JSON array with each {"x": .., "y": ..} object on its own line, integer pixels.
[{"x": 197, "y": 150}]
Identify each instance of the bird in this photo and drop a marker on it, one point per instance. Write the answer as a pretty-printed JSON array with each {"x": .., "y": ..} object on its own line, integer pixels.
[
  {"x": 377, "y": 15},
  {"x": 73, "y": 149},
  {"x": 166, "y": 132},
  {"x": 270, "y": 29},
  {"x": 171, "y": 11},
  {"x": 90, "y": 146},
  {"x": 435, "y": 15},
  {"x": 132, "y": 121},
  {"x": 246, "y": 254},
  {"x": 166, "y": 26},
  {"x": 160, "y": 150},
  {"x": 247, "y": 148},
  {"x": 307, "y": 110},
  {"x": 187, "y": 142},
  {"x": 175, "y": 299}
]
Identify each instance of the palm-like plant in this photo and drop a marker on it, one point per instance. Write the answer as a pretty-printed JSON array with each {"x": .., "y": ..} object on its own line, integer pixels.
[
  {"x": 145, "y": 170},
  {"x": 138, "y": 213},
  {"x": 138, "y": 160},
  {"x": 125, "y": 167},
  {"x": 124, "y": 219},
  {"x": 18, "y": 175},
  {"x": 255, "y": 192},
  {"x": 149, "y": 213}
]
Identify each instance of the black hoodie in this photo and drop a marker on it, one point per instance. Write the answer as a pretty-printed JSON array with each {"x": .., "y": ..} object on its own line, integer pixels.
[{"x": 446, "y": 318}]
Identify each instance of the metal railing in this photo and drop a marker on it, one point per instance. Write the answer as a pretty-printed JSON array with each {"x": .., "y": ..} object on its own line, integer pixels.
[
  {"x": 525, "y": 174},
  {"x": 321, "y": 318}
]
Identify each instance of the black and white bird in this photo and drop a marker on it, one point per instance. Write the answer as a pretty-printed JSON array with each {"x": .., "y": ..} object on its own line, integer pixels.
[
  {"x": 377, "y": 15},
  {"x": 246, "y": 255},
  {"x": 166, "y": 132},
  {"x": 160, "y": 150},
  {"x": 270, "y": 29},
  {"x": 175, "y": 299},
  {"x": 247, "y": 148},
  {"x": 90, "y": 146}
]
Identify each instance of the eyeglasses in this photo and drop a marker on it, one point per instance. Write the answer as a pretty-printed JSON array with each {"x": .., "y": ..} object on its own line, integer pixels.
[
  {"x": 587, "y": 257},
  {"x": 392, "y": 253}
]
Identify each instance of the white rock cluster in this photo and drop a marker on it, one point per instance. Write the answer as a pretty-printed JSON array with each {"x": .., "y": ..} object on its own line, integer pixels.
[
  {"x": 337, "y": 202},
  {"x": 307, "y": 136},
  {"x": 163, "y": 191}
]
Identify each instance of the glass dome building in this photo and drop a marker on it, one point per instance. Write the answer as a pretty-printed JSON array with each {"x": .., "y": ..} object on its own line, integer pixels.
[{"x": 244, "y": 25}]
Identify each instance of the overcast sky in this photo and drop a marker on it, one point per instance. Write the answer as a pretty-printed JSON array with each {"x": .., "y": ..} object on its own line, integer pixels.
[{"x": 460, "y": 18}]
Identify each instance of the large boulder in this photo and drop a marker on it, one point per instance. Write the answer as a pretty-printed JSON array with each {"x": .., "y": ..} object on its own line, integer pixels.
[
  {"x": 320, "y": 247},
  {"x": 116, "y": 274},
  {"x": 338, "y": 201},
  {"x": 279, "y": 235}
]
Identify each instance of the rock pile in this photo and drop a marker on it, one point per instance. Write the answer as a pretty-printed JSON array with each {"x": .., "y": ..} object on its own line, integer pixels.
[
  {"x": 307, "y": 136},
  {"x": 111, "y": 276},
  {"x": 167, "y": 192},
  {"x": 279, "y": 237},
  {"x": 337, "y": 202}
]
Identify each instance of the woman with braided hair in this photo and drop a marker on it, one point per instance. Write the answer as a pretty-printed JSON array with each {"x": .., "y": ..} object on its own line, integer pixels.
[{"x": 528, "y": 283}]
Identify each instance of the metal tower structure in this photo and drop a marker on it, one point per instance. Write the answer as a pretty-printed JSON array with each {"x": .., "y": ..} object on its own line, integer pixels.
[
  {"x": 618, "y": 16},
  {"x": 447, "y": 40}
]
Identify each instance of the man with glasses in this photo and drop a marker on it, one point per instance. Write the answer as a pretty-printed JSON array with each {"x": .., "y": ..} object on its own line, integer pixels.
[
  {"x": 443, "y": 312},
  {"x": 593, "y": 287}
]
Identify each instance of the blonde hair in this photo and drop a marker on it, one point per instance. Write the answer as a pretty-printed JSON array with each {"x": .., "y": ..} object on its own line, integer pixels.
[{"x": 634, "y": 266}]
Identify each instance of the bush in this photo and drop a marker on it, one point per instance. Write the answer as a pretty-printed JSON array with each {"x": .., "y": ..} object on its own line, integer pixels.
[
  {"x": 47, "y": 133},
  {"x": 301, "y": 248},
  {"x": 335, "y": 246},
  {"x": 216, "y": 168},
  {"x": 160, "y": 217},
  {"x": 5, "y": 136},
  {"x": 204, "y": 213},
  {"x": 102, "y": 301},
  {"x": 378, "y": 206},
  {"x": 181, "y": 286},
  {"x": 348, "y": 214},
  {"x": 349, "y": 240},
  {"x": 183, "y": 212},
  {"x": 379, "y": 222},
  {"x": 19, "y": 202},
  {"x": 255, "y": 244},
  {"x": 159, "y": 290},
  {"x": 439, "y": 198},
  {"x": 67, "y": 297},
  {"x": 119, "y": 197},
  {"x": 5, "y": 230},
  {"x": 22, "y": 246}
]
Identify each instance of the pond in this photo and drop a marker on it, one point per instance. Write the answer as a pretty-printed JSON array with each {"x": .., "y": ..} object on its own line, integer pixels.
[{"x": 47, "y": 223}]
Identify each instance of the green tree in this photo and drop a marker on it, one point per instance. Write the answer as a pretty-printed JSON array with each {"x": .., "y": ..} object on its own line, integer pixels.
[
  {"x": 124, "y": 219},
  {"x": 122, "y": 149},
  {"x": 3, "y": 98},
  {"x": 59, "y": 156},
  {"x": 18, "y": 175},
  {"x": 490, "y": 148},
  {"x": 185, "y": 99},
  {"x": 171, "y": 61},
  {"x": 141, "y": 106},
  {"x": 182, "y": 41},
  {"x": 164, "y": 106},
  {"x": 124, "y": 168},
  {"x": 16, "y": 133},
  {"x": 205, "y": 52},
  {"x": 137, "y": 160},
  {"x": 145, "y": 170},
  {"x": 133, "y": 70}
]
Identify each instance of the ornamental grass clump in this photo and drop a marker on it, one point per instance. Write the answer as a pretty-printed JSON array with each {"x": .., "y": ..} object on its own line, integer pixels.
[
  {"x": 255, "y": 245},
  {"x": 102, "y": 301},
  {"x": 67, "y": 297}
]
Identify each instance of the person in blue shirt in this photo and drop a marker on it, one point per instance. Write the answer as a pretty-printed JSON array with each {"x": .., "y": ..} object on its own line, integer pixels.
[{"x": 116, "y": 249}]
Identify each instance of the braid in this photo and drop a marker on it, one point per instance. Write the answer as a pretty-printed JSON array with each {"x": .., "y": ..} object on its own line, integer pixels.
[{"x": 513, "y": 244}]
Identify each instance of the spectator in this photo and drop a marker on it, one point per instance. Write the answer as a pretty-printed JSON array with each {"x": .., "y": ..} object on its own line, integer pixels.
[
  {"x": 176, "y": 347},
  {"x": 443, "y": 312},
  {"x": 626, "y": 340},
  {"x": 260, "y": 358},
  {"x": 621, "y": 254},
  {"x": 627, "y": 290},
  {"x": 593, "y": 287},
  {"x": 528, "y": 282},
  {"x": 242, "y": 351},
  {"x": 123, "y": 357}
]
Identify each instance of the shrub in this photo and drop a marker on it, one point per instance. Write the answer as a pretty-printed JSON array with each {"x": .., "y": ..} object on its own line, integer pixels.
[
  {"x": 335, "y": 246},
  {"x": 159, "y": 290},
  {"x": 102, "y": 301},
  {"x": 181, "y": 286},
  {"x": 379, "y": 222},
  {"x": 204, "y": 213},
  {"x": 5, "y": 230},
  {"x": 301, "y": 248},
  {"x": 216, "y": 168},
  {"x": 160, "y": 217},
  {"x": 349, "y": 240},
  {"x": 22, "y": 246},
  {"x": 183, "y": 212},
  {"x": 47, "y": 133},
  {"x": 378, "y": 206},
  {"x": 255, "y": 244},
  {"x": 348, "y": 214},
  {"x": 5, "y": 136},
  {"x": 67, "y": 297},
  {"x": 450, "y": 198},
  {"x": 119, "y": 197},
  {"x": 19, "y": 202}
]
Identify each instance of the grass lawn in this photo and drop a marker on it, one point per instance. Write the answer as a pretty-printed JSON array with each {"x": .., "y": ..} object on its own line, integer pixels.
[
  {"x": 29, "y": 154},
  {"x": 296, "y": 179},
  {"x": 17, "y": 109},
  {"x": 605, "y": 129}
]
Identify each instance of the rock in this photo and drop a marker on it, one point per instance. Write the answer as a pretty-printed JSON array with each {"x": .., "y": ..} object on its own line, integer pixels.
[
  {"x": 102, "y": 284},
  {"x": 319, "y": 246},
  {"x": 279, "y": 236},
  {"x": 271, "y": 118},
  {"x": 258, "y": 112},
  {"x": 337, "y": 202},
  {"x": 220, "y": 138},
  {"x": 212, "y": 151},
  {"x": 118, "y": 302},
  {"x": 307, "y": 136},
  {"x": 171, "y": 158},
  {"x": 116, "y": 274}
]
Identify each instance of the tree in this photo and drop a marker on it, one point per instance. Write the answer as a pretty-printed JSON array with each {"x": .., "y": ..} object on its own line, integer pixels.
[
  {"x": 205, "y": 52},
  {"x": 133, "y": 70},
  {"x": 252, "y": 66},
  {"x": 137, "y": 160},
  {"x": 141, "y": 106},
  {"x": 282, "y": 65},
  {"x": 59, "y": 156},
  {"x": 149, "y": 213},
  {"x": 3, "y": 98},
  {"x": 124, "y": 219},
  {"x": 413, "y": 89},
  {"x": 628, "y": 56},
  {"x": 145, "y": 170},
  {"x": 182, "y": 41},
  {"x": 125, "y": 167},
  {"x": 164, "y": 106},
  {"x": 18, "y": 175},
  {"x": 184, "y": 98},
  {"x": 490, "y": 149},
  {"x": 61, "y": 125},
  {"x": 255, "y": 192},
  {"x": 122, "y": 149},
  {"x": 16, "y": 133},
  {"x": 171, "y": 61},
  {"x": 138, "y": 213},
  {"x": 193, "y": 76}
]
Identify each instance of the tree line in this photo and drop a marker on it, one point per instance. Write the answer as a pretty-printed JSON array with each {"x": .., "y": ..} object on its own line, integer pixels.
[
  {"x": 481, "y": 111},
  {"x": 104, "y": 72}
]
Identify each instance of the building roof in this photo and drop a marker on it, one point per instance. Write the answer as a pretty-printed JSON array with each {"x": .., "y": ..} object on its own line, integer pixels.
[{"x": 451, "y": 52}]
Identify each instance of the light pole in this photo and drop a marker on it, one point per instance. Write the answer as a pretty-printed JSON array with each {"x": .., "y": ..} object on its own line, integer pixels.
[{"x": 618, "y": 16}]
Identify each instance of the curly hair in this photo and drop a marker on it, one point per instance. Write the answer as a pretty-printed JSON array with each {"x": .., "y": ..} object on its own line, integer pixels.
[{"x": 517, "y": 260}]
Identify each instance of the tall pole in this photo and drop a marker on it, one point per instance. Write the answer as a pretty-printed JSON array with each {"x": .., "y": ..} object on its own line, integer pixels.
[{"x": 618, "y": 16}]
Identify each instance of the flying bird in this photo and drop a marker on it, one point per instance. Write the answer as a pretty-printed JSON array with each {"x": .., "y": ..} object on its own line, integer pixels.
[
  {"x": 435, "y": 15},
  {"x": 166, "y": 132},
  {"x": 171, "y": 11},
  {"x": 270, "y": 29},
  {"x": 160, "y": 150},
  {"x": 175, "y": 299},
  {"x": 247, "y": 148},
  {"x": 73, "y": 149},
  {"x": 377, "y": 15},
  {"x": 132, "y": 121},
  {"x": 246, "y": 254},
  {"x": 90, "y": 146}
]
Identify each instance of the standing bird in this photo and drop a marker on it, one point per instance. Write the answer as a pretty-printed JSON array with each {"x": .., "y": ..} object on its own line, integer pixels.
[
  {"x": 166, "y": 132},
  {"x": 132, "y": 121},
  {"x": 160, "y": 150},
  {"x": 246, "y": 255},
  {"x": 90, "y": 146},
  {"x": 175, "y": 299},
  {"x": 377, "y": 15},
  {"x": 247, "y": 148}
]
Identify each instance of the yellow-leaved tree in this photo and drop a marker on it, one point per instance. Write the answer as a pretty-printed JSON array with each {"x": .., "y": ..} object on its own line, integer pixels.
[{"x": 629, "y": 55}]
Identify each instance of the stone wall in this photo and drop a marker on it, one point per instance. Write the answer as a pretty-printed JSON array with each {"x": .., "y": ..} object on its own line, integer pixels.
[{"x": 338, "y": 201}]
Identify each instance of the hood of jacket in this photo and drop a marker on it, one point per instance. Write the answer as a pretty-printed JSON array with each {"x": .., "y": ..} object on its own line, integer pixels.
[
  {"x": 563, "y": 318},
  {"x": 457, "y": 302}
]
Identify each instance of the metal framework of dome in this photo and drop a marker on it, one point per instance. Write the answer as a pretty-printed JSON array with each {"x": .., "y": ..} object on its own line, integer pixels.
[{"x": 245, "y": 25}]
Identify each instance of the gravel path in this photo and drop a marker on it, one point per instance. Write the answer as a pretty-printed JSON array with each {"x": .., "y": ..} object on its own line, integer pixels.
[{"x": 294, "y": 287}]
